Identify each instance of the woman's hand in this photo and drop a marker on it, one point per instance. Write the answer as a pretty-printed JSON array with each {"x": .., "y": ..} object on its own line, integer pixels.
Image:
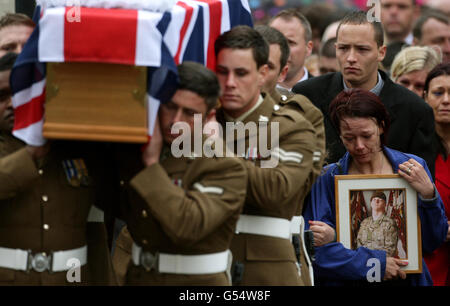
[
  {"x": 414, "y": 173},
  {"x": 322, "y": 232},
  {"x": 393, "y": 266}
]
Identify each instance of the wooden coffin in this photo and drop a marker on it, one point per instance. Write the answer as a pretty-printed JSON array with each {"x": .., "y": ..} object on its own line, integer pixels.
[{"x": 96, "y": 101}]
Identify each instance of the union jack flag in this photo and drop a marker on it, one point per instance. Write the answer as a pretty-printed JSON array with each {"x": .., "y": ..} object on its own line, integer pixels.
[{"x": 185, "y": 33}]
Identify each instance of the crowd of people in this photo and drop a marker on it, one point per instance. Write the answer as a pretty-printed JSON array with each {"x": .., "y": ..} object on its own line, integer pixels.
[{"x": 348, "y": 96}]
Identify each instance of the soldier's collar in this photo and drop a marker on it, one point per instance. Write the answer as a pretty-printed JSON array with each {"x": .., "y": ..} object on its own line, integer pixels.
[{"x": 246, "y": 114}]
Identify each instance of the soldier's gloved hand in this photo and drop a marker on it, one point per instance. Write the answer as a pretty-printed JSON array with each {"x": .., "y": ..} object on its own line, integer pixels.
[
  {"x": 38, "y": 152},
  {"x": 393, "y": 266},
  {"x": 322, "y": 232},
  {"x": 153, "y": 149}
]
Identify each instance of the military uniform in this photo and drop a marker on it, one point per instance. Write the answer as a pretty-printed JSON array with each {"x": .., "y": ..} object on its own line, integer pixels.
[
  {"x": 315, "y": 117},
  {"x": 274, "y": 196},
  {"x": 44, "y": 208},
  {"x": 180, "y": 211},
  {"x": 380, "y": 234}
]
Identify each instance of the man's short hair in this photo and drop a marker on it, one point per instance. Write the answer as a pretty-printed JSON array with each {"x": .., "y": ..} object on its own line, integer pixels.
[
  {"x": 244, "y": 37},
  {"x": 7, "y": 61},
  {"x": 200, "y": 80},
  {"x": 328, "y": 49},
  {"x": 359, "y": 18},
  {"x": 10, "y": 19},
  {"x": 429, "y": 14},
  {"x": 275, "y": 37},
  {"x": 290, "y": 13}
]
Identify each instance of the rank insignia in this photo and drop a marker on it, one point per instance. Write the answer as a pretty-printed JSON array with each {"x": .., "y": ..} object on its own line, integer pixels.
[
  {"x": 76, "y": 172},
  {"x": 177, "y": 182}
]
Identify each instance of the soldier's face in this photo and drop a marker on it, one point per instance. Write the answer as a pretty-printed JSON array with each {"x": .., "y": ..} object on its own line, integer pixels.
[
  {"x": 378, "y": 205},
  {"x": 361, "y": 138},
  {"x": 6, "y": 109},
  {"x": 274, "y": 72},
  {"x": 358, "y": 54},
  {"x": 183, "y": 106},
  {"x": 240, "y": 80}
]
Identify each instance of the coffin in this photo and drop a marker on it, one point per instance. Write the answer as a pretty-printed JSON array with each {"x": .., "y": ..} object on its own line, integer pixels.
[{"x": 96, "y": 101}]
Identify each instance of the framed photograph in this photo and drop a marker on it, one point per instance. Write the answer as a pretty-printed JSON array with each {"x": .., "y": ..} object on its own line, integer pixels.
[{"x": 379, "y": 212}]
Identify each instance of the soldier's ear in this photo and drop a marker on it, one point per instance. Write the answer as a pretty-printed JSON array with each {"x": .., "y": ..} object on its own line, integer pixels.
[
  {"x": 211, "y": 115},
  {"x": 262, "y": 71},
  {"x": 282, "y": 74}
]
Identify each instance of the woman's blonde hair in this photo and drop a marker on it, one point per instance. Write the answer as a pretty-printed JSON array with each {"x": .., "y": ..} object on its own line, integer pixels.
[{"x": 414, "y": 58}]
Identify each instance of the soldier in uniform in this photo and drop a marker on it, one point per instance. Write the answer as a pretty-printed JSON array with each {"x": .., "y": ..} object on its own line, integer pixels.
[
  {"x": 277, "y": 69},
  {"x": 262, "y": 248},
  {"x": 182, "y": 211},
  {"x": 46, "y": 197},
  {"x": 378, "y": 232}
]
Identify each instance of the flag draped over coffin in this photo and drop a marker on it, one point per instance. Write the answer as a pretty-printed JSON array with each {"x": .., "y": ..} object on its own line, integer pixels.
[{"x": 158, "y": 40}]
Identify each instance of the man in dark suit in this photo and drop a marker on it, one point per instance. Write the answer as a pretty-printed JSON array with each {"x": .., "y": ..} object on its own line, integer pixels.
[
  {"x": 297, "y": 30},
  {"x": 359, "y": 50}
]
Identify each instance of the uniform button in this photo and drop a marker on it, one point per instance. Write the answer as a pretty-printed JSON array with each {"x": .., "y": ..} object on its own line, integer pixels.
[
  {"x": 46, "y": 227},
  {"x": 144, "y": 213},
  {"x": 45, "y": 198},
  {"x": 40, "y": 172},
  {"x": 276, "y": 107},
  {"x": 144, "y": 242},
  {"x": 122, "y": 183}
]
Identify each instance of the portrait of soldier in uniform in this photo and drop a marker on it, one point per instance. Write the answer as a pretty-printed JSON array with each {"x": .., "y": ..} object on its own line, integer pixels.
[{"x": 379, "y": 224}]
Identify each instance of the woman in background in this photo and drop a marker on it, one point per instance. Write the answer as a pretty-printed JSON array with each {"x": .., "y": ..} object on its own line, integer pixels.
[
  {"x": 363, "y": 124},
  {"x": 437, "y": 95},
  {"x": 411, "y": 66}
]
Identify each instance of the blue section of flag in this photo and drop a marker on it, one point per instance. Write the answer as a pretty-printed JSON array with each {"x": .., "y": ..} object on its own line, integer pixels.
[
  {"x": 193, "y": 53},
  {"x": 239, "y": 15}
]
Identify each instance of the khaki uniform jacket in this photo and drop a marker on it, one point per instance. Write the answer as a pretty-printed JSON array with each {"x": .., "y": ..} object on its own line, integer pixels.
[
  {"x": 186, "y": 206},
  {"x": 274, "y": 192},
  {"x": 381, "y": 234},
  {"x": 40, "y": 211},
  {"x": 315, "y": 117}
]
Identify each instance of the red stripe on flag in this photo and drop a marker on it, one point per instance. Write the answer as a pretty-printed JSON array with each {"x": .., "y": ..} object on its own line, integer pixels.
[
  {"x": 215, "y": 24},
  {"x": 187, "y": 19},
  {"x": 29, "y": 113},
  {"x": 103, "y": 35}
]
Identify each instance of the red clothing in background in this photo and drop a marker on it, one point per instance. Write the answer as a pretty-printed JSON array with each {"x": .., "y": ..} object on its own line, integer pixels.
[{"x": 439, "y": 261}]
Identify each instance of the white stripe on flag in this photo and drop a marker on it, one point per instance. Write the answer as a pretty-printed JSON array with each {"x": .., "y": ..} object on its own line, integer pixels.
[
  {"x": 148, "y": 40},
  {"x": 32, "y": 134},
  {"x": 190, "y": 29},
  {"x": 28, "y": 94},
  {"x": 225, "y": 17},
  {"x": 51, "y": 35},
  {"x": 246, "y": 6},
  {"x": 152, "y": 111},
  {"x": 205, "y": 30},
  {"x": 172, "y": 35}
]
